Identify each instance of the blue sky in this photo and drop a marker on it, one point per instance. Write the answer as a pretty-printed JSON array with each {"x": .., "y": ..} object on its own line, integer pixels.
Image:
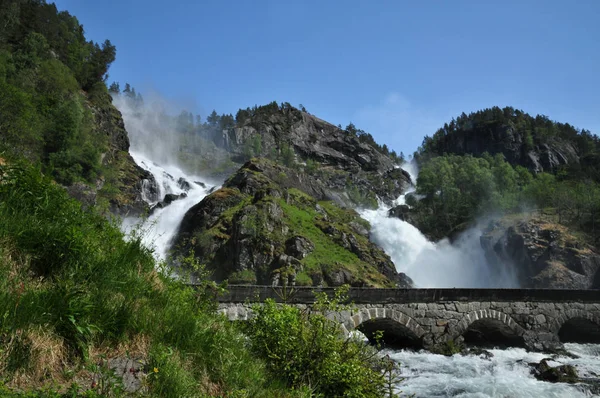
[{"x": 398, "y": 69}]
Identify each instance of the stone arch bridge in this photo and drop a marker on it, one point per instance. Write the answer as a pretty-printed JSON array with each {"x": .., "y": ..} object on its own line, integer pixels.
[{"x": 537, "y": 319}]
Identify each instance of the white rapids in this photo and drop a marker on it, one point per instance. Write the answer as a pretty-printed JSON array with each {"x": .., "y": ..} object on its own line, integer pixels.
[{"x": 506, "y": 374}]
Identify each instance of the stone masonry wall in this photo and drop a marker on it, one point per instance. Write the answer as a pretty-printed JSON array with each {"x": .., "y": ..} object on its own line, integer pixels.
[{"x": 436, "y": 323}]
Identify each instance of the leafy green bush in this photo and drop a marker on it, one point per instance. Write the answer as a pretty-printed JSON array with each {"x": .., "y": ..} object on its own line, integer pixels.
[
  {"x": 245, "y": 277},
  {"x": 306, "y": 348}
]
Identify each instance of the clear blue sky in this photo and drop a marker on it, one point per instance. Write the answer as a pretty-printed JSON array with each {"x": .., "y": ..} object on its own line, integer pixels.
[{"x": 398, "y": 69}]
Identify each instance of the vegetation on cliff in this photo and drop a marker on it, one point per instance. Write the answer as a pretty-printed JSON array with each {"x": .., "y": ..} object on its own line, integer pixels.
[
  {"x": 500, "y": 161},
  {"x": 55, "y": 109},
  {"x": 270, "y": 224}
]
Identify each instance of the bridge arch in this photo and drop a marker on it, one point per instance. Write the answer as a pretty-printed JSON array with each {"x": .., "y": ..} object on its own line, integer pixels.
[
  {"x": 578, "y": 326},
  {"x": 399, "y": 329},
  {"x": 489, "y": 326}
]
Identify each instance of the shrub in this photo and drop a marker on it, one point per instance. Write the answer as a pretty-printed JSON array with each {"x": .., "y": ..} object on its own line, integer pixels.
[{"x": 306, "y": 348}]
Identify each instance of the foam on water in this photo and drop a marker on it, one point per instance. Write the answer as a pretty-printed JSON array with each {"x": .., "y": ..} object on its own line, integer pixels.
[{"x": 506, "y": 374}]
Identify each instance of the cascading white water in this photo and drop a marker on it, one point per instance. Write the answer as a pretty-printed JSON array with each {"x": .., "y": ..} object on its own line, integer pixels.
[
  {"x": 506, "y": 374},
  {"x": 154, "y": 147},
  {"x": 461, "y": 264},
  {"x": 160, "y": 227}
]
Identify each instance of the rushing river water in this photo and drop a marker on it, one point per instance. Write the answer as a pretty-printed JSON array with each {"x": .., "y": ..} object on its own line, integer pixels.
[{"x": 506, "y": 374}]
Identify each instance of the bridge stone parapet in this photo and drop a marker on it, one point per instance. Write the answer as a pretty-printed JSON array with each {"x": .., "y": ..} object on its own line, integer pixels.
[{"x": 536, "y": 319}]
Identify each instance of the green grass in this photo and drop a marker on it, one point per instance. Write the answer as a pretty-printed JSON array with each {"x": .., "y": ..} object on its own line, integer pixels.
[
  {"x": 73, "y": 291},
  {"x": 328, "y": 255}
]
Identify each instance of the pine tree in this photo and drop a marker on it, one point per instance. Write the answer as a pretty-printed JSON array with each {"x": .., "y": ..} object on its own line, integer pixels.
[{"x": 114, "y": 88}]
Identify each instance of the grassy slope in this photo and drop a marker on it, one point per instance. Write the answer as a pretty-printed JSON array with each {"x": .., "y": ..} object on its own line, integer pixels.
[{"x": 73, "y": 293}]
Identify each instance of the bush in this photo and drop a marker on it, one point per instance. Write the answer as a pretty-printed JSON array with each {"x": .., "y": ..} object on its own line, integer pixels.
[{"x": 306, "y": 349}]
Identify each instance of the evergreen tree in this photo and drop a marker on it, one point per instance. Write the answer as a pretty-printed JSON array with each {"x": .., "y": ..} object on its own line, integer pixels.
[
  {"x": 213, "y": 119},
  {"x": 114, "y": 88}
]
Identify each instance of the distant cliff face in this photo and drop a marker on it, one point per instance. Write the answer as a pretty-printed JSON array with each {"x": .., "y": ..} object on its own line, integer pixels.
[
  {"x": 536, "y": 143},
  {"x": 269, "y": 225},
  {"x": 352, "y": 172},
  {"x": 511, "y": 143}
]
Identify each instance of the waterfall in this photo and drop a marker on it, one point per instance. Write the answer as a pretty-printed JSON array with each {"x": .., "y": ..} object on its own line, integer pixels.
[
  {"x": 442, "y": 264},
  {"x": 159, "y": 229},
  {"x": 154, "y": 147}
]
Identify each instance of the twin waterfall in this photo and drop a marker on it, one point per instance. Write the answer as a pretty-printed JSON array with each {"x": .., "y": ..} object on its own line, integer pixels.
[{"x": 461, "y": 264}]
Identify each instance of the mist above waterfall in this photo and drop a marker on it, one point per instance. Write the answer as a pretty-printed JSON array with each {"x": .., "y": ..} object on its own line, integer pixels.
[
  {"x": 461, "y": 263},
  {"x": 155, "y": 146}
]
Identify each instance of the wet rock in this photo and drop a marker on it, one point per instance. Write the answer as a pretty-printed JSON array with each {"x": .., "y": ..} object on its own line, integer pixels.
[
  {"x": 168, "y": 199},
  {"x": 402, "y": 212},
  {"x": 477, "y": 351},
  {"x": 183, "y": 184},
  {"x": 558, "y": 374}
]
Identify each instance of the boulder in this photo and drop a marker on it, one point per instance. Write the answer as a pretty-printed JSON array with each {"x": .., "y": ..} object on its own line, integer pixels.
[
  {"x": 299, "y": 247},
  {"x": 557, "y": 374}
]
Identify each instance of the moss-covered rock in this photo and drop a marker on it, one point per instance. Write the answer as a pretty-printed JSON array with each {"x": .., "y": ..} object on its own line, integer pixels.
[
  {"x": 557, "y": 374},
  {"x": 265, "y": 226}
]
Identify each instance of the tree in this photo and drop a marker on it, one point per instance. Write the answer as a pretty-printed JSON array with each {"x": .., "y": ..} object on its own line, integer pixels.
[
  {"x": 114, "y": 88},
  {"x": 213, "y": 119},
  {"x": 351, "y": 129},
  {"x": 288, "y": 155},
  {"x": 242, "y": 115},
  {"x": 226, "y": 122}
]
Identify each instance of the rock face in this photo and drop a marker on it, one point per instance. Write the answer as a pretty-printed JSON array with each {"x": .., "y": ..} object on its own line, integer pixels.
[
  {"x": 352, "y": 172},
  {"x": 128, "y": 179},
  {"x": 542, "y": 254},
  {"x": 272, "y": 225},
  {"x": 496, "y": 137}
]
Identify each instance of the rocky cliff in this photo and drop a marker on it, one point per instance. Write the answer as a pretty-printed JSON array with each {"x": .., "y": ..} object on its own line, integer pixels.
[
  {"x": 542, "y": 254},
  {"x": 119, "y": 188},
  {"x": 510, "y": 142},
  {"x": 270, "y": 224},
  {"x": 536, "y": 143},
  {"x": 350, "y": 171}
]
